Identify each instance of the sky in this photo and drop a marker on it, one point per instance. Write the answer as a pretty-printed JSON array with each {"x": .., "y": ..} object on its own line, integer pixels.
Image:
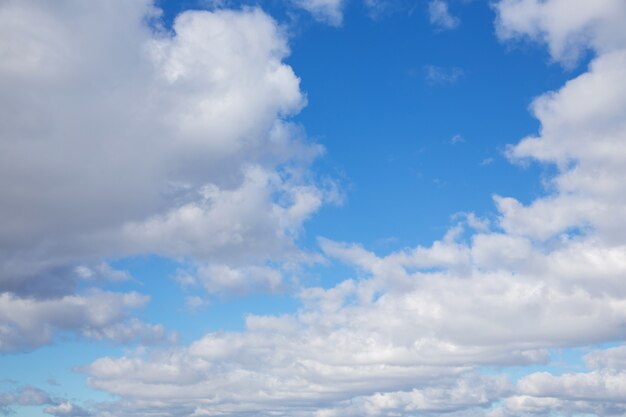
[{"x": 312, "y": 208}]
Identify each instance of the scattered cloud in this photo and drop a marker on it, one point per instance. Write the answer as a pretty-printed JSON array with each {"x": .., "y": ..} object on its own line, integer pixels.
[
  {"x": 24, "y": 396},
  {"x": 440, "y": 16},
  {"x": 31, "y": 396},
  {"x": 195, "y": 302},
  {"x": 441, "y": 75},
  {"x": 327, "y": 11},
  {"x": 379, "y": 8},
  {"x": 456, "y": 139}
]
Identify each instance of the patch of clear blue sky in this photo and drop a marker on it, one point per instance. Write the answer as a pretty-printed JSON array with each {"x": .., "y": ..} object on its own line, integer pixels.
[{"x": 388, "y": 129}]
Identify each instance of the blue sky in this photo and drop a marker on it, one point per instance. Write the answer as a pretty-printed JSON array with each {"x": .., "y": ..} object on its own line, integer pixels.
[{"x": 312, "y": 208}]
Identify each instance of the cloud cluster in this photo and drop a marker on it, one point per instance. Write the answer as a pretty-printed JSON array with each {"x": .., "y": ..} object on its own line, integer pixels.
[
  {"x": 178, "y": 144},
  {"x": 120, "y": 138},
  {"x": 409, "y": 336},
  {"x": 600, "y": 391}
]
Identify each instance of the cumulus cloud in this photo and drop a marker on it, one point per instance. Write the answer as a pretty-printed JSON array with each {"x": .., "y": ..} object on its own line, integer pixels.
[
  {"x": 140, "y": 140},
  {"x": 466, "y": 394},
  {"x": 328, "y": 11},
  {"x": 141, "y": 133},
  {"x": 219, "y": 159},
  {"x": 409, "y": 335},
  {"x": 440, "y": 17},
  {"x": 599, "y": 391},
  {"x": 568, "y": 27},
  {"x": 402, "y": 340}
]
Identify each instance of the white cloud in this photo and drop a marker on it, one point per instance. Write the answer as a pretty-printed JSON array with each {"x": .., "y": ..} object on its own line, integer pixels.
[
  {"x": 440, "y": 75},
  {"x": 195, "y": 302},
  {"x": 328, "y": 11},
  {"x": 66, "y": 409},
  {"x": 464, "y": 394},
  {"x": 440, "y": 16},
  {"x": 611, "y": 358},
  {"x": 377, "y": 9},
  {"x": 388, "y": 334},
  {"x": 600, "y": 391},
  {"x": 138, "y": 140},
  {"x": 457, "y": 139},
  {"x": 144, "y": 133},
  {"x": 27, "y": 323},
  {"x": 568, "y": 27},
  {"x": 409, "y": 333}
]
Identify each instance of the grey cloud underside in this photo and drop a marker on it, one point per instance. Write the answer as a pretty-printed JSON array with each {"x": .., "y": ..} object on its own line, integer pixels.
[
  {"x": 138, "y": 140},
  {"x": 31, "y": 396}
]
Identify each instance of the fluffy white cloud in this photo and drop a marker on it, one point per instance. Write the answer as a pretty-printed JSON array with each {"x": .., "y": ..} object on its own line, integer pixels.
[
  {"x": 378, "y": 343},
  {"x": 568, "y": 27},
  {"x": 409, "y": 334},
  {"x": 207, "y": 152},
  {"x": 137, "y": 140},
  {"x": 132, "y": 139}
]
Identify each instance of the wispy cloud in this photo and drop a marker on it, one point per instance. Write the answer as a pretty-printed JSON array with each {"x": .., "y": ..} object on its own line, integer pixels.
[
  {"x": 440, "y": 16},
  {"x": 456, "y": 139},
  {"x": 442, "y": 75},
  {"x": 327, "y": 11}
]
